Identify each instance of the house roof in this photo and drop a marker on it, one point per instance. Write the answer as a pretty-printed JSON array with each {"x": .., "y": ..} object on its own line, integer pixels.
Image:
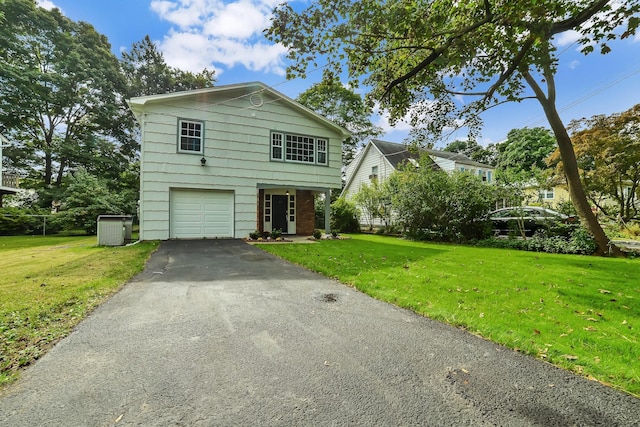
[
  {"x": 138, "y": 104},
  {"x": 397, "y": 153}
]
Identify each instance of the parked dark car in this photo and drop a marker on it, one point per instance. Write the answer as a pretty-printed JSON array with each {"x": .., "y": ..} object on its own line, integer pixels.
[{"x": 528, "y": 218}]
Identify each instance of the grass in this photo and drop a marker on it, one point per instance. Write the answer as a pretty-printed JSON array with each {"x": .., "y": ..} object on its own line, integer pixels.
[
  {"x": 580, "y": 313},
  {"x": 49, "y": 284}
]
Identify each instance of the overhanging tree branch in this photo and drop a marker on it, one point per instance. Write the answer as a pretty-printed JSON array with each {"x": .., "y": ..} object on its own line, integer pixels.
[
  {"x": 579, "y": 19},
  {"x": 438, "y": 52}
]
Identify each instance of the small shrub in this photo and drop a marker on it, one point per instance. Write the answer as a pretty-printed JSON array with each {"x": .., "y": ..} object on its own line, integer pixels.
[
  {"x": 26, "y": 221},
  {"x": 276, "y": 234},
  {"x": 579, "y": 242},
  {"x": 317, "y": 234},
  {"x": 334, "y": 233},
  {"x": 254, "y": 235},
  {"x": 582, "y": 242}
]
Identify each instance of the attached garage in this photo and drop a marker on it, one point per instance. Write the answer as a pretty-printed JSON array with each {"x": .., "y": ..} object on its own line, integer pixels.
[{"x": 198, "y": 214}]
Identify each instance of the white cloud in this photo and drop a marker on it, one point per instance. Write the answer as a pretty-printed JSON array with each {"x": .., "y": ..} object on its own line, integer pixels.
[
  {"x": 574, "y": 64},
  {"x": 217, "y": 33},
  {"x": 47, "y": 4},
  {"x": 382, "y": 119},
  {"x": 567, "y": 38},
  {"x": 238, "y": 20}
]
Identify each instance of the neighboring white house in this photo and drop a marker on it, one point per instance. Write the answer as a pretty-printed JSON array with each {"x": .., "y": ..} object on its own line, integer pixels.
[
  {"x": 380, "y": 158},
  {"x": 8, "y": 183},
  {"x": 228, "y": 160}
]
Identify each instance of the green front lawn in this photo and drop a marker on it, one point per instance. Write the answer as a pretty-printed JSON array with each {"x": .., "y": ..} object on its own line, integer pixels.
[
  {"x": 48, "y": 284},
  {"x": 581, "y": 313}
]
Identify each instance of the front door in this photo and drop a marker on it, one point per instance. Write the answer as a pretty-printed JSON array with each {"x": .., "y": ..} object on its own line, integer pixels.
[{"x": 280, "y": 214}]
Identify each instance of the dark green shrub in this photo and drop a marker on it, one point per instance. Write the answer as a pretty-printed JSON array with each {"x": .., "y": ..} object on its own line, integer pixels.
[
  {"x": 254, "y": 235},
  {"x": 344, "y": 216},
  {"x": 317, "y": 234},
  {"x": 21, "y": 221},
  {"x": 434, "y": 205},
  {"x": 276, "y": 233},
  {"x": 579, "y": 242}
]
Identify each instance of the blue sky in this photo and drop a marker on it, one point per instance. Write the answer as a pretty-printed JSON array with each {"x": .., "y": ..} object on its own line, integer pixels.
[{"x": 226, "y": 36}]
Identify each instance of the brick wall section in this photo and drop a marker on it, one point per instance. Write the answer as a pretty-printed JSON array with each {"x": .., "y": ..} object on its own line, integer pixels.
[
  {"x": 305, "y": 213},
  {"x": 260, "y": 224}
]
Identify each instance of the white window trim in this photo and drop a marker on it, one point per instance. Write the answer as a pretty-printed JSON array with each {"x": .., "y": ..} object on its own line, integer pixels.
[
  {"x": 198, "y": 122},
  {"x": 283, "y": 147},
  {"x": 547, "y": 194},
  {"x": 325, "y": 151}
]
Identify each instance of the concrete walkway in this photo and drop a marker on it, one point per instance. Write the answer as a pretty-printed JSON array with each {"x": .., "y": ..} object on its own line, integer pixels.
[{"x": 219, "y": 333}]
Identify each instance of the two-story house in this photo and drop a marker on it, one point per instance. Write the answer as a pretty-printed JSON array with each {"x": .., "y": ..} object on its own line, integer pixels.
[{"x": 228, "y": 160}]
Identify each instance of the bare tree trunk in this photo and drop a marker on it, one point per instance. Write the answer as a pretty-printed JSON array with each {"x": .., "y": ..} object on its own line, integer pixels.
[{"x": 570, "y": 165}]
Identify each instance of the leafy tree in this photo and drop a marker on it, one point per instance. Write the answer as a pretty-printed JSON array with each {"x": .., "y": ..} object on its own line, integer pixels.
[
  {"x": 608, "y": 152},
  {"x": 374, "y": 201},
  {"x": 345, "y": 108},
  {"x": 525, "y": 150},
  {"x": 417, "y": 57},
  {"x": 476, "y": 152},
  {"x": 87, "y": 197},
  {"x": 60, "y": 86},
  {"x": 147, "y": 72}
]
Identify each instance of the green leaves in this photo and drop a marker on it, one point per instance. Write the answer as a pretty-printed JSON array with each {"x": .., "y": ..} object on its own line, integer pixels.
[
  {"x": 409, "y": 53},
  {"x": 345, "y": 108}
]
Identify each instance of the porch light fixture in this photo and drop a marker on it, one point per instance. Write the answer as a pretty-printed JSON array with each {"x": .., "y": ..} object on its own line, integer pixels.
[
  {"x": 203, "y": 161},
  {"x": 287, "y": 192}
]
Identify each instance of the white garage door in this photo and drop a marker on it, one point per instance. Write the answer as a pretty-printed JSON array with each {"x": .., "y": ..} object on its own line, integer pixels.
[{"x": 196, "y": 214}]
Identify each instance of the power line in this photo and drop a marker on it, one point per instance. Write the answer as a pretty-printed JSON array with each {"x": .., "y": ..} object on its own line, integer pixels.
[{"x": 588, "y": 96}]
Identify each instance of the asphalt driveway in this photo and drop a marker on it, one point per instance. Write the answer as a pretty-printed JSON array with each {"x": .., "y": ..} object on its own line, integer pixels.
[{"x": 217, "y": 332}]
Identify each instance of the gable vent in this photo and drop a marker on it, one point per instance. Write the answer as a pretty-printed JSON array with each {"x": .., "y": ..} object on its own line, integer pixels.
[{"x": 256, "y": 100}]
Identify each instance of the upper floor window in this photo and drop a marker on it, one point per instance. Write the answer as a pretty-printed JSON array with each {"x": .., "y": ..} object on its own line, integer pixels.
[
  {"x": 191, "y": 138},
  {"x": 374, "y": 173},
  {"x": 298, "y": 148},
  {"x": 485, "y": 176}
]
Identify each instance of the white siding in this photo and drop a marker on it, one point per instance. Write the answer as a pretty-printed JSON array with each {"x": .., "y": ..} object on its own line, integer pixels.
[
  {"x": 236, "y": 149},
  {"x": 361, "y": 172},
  {"x": 372, "y": 158}
]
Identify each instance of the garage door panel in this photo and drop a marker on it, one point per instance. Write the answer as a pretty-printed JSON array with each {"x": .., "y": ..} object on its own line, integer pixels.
[{"x": 199, "y": 213}]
